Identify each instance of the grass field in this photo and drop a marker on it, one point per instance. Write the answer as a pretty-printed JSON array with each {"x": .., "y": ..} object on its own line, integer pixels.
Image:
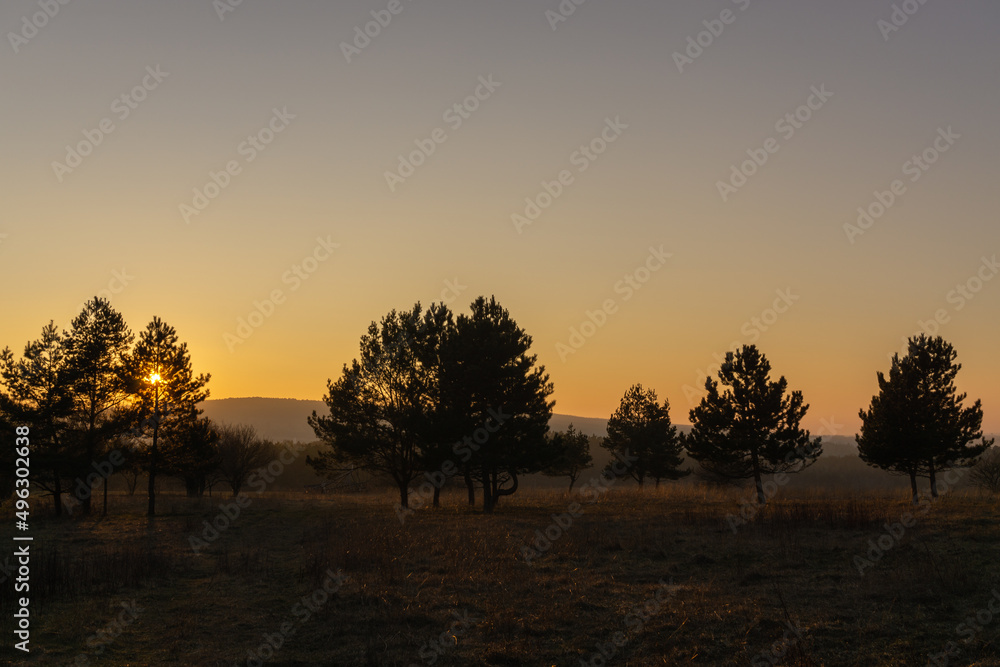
[{"x": 649, "y": 577}]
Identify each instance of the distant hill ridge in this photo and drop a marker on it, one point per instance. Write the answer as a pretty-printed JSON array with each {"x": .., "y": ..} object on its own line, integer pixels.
[{"x": 285, "y": 419}]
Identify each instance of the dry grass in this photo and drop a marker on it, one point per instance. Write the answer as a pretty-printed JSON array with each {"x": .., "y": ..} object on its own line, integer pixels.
[{"x": 733, "y": 595}]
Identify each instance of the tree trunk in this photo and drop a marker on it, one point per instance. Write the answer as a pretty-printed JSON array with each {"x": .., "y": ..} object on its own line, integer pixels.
[
  {"x": 151, "y": 485},
  {"x": 572, "y": 481},
  {"x": 104, "y": 509},
  {"x": 487, "y": 494},
  {"x": 151, "y": 493},
  {"x": 57, "y": 494},
  {"x": 913, "y": 485},
  {"x": 761, "y": 498},
  {"x": 499, "y": 493},
  {"x": 404, "y": 494},
  {"x": 934, "y": 493},
  {"x": 471, "y": 486},
  {"x": 437, "y": 496}
]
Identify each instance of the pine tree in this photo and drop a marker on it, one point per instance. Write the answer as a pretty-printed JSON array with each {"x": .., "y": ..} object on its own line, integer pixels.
[
  {"x": 641, "y": 427},
  {"x": 36, "y": 394},
  {"x": 917, "y": 425},
  {"x": 570, "y": 452},
  {"x": 498, "y": 396},
  {"x": 753, "y": 428},
  {"x": 97, "y": 347},
  {"x": 379, "y": 405},
  {"x": 165, "y": 390}
]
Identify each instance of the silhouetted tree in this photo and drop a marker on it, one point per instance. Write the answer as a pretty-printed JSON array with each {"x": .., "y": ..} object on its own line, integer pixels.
[
  {"x": 7, "y": 456},
  {"x": 889, "y": 437},
  {"x": 36, "y": 394},
  {"x": 571, "y": 451},
  {"x": 986, "y": 473},
  {"x": 190, "y": 453},
  {"x": 241, "y": 451},
  {"x": 132, "y": 459},
  {"x": 752, "y": 429},
  {"x": 97, "y": 346},
  {"x": 165, "y": 391},
  {"x": 498, "y": 399},
  {"x": 379, "y": 405},
  {"x": 641, "y": 428},
  {"x": 435, "y": 421},
  {"x": 917, "y": 425}
]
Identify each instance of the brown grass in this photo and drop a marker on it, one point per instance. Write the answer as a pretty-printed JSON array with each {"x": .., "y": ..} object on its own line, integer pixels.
[{"x": 733, "y": 596}]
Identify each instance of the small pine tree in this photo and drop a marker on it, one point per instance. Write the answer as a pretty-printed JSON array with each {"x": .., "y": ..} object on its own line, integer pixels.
[
  {"x": 641, "y": 428},
  {"x": 571, "y": 452}
]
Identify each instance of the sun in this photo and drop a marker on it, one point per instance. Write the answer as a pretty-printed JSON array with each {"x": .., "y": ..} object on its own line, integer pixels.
[{"x": 154, "y": 378}]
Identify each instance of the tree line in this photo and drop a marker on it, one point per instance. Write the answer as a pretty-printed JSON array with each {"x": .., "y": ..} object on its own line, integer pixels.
[
  {"x": 434, "y": 398},
  {"x": 100, "y": 401}
]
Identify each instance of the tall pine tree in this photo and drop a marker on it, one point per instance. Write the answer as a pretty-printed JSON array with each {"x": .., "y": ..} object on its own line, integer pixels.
[
  {"x": 36, "y": 394},
  {"x": 917, "y": 424},
  {"x": 166, "y": 394},
  {"x": 97, "y": 347},
  {"x": 753, "y": 428}
]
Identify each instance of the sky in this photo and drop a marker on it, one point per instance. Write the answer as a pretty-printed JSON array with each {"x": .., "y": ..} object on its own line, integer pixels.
[{"x": 643, "y": 184}]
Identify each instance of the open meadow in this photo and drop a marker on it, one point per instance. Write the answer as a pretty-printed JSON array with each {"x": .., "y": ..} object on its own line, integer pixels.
[{"x": 630, "y": 577}]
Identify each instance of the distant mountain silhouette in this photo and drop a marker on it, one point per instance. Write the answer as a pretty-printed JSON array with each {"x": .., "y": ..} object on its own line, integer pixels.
[{"x": 285, "y": 419}]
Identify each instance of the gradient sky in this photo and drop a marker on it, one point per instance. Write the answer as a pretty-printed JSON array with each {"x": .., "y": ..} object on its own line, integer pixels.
[{"x": 323, "y": 176}]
